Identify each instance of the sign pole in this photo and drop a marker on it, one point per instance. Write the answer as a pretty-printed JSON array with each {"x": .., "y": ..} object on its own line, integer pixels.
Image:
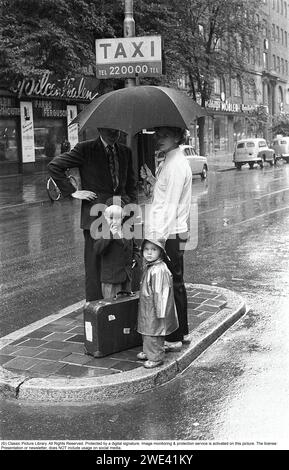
[{"x": 129, "y": 31}]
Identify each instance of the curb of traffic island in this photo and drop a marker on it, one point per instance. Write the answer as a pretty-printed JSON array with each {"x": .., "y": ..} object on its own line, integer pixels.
[{"x": 129, "y": 383}]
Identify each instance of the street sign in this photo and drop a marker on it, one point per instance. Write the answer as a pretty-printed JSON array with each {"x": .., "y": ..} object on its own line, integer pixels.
[{"x": 128, "y": 57}]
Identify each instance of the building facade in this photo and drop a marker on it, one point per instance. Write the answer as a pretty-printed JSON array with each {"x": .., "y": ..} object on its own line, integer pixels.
[
  {"x": 34, "y": 118},
  {"x": 232, "y": 101}
]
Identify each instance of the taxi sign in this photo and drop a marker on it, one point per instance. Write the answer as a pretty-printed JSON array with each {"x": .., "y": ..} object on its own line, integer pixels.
[{"x": 128, "y": 57}]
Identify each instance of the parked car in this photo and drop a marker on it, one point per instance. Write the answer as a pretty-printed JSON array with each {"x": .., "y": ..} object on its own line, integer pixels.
[
  {"x": 198, "y": 164},
  {"x": 280, "y": 146},
  {"x": 252, "y": 151}
]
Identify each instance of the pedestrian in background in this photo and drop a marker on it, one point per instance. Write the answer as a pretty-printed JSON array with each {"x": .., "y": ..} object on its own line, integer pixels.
[
  {"x": 157, "y": 316},
  {"x": 169, "y": 216},
  {"x": 106, "y": 170}
]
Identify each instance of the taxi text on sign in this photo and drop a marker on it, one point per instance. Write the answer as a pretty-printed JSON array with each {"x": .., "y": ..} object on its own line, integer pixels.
[{"x": 128, "y": 57}]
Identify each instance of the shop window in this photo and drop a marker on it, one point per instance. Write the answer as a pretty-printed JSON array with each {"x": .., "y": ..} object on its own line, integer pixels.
[
  {"x": 8, "y": 141},
  {"x": 49, "y": 134},
  {"x": 221, "y": 133}
]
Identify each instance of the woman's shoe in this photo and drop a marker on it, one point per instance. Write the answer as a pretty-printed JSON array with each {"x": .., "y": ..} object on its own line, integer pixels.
[
  {"x": 152, "y": 364},
  {"x": 186, "y": 339},
  {"x": 173, "y": 347},
  {"x": 142, "y": 356}
]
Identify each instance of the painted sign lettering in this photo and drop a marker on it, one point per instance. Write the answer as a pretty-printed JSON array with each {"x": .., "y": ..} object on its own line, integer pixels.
[
  {"x": 128, "y": 57},
  {"x": 68, "y": 88}
]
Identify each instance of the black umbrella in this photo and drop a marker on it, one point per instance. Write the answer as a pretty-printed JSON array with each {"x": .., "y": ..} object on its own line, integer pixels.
[{"x": 141, "y": 107}]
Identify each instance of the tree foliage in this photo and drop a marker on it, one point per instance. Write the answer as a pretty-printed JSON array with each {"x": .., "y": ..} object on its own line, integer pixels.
[
  {"x": 280, "y": 124},
  {"x": 259, "y": 119},
  {"x": 213, "y": 38},
  {"x": 49, "y": 35}
]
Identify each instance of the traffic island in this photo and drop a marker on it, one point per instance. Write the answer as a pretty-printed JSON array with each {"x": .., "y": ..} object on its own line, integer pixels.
[{"x": 47, "y": 362}]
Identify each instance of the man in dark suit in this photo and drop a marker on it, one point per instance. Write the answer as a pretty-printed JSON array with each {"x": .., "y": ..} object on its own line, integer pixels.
[{"x": 106, "y": 170}]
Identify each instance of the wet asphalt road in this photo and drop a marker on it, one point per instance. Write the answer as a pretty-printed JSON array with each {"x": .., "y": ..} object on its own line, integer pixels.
[{"x": 238, "y": 389}]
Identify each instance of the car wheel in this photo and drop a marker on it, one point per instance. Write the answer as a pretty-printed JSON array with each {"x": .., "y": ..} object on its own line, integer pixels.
[
  {"x": 261, "y": 163},
  {"x": 204, "y": 173},
  {"x": 238, "y": 166},
  {"x": 251, "y": 165}
]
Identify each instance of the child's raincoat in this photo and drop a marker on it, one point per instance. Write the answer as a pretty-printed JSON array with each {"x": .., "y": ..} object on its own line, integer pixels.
[{"x": 157, "y": 314}]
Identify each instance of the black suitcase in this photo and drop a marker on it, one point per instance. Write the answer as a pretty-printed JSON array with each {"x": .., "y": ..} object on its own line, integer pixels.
[{"x": 110, "y": 325}]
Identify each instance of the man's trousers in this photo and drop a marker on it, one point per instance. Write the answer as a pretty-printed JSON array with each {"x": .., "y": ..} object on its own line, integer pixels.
[{"x": 175, "y": 247}]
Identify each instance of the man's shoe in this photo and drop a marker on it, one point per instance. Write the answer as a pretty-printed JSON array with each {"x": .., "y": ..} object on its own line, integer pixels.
[
  {"x": 173, "y": 347},
  {"x": 152, "y": 364},
  {"x": 186, "y": 339},
  {"x": 142, "y": 356}
]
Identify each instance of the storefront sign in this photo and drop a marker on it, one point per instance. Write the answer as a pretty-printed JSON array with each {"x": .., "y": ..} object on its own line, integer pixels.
[
  {"x": 70, "y": 88},
  {"x": 128, "y": 57},
  {"x": 8, "y": 107},
  {"x": 73, "y": 129},
  {"x": 227, "y": 106},
  {"x": 9, "y": 112},
  {"x": 27, "y": 132}
]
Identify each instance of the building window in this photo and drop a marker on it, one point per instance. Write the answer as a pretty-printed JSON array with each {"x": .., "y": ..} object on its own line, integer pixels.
[
  {"x": 278, "y": 64},
  {"x": 285, "y": 37},
  {"x": 281, "y": 2},
  {"x": 277, "y": 6},
  {"x": 265, "y": 60},
  {"x": 282, "y": 66},
  {"x": 285, "y": 9},
  {"x": 282, "y": 36},
  {"x": 236, "y": 88},
  {"x": 274, "y": 62},
  {"x": 273, "y": 32},
  {"x": 273, "y": 4},
  {"x": 217, "y": 86},
  {"x": 278, "y": 33},
  {"x": 258, "y": 52},
  {"x": 286, "y": 67}
]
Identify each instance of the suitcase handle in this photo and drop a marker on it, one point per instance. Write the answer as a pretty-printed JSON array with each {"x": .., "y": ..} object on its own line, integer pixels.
[{"x": 124, "y": 293}]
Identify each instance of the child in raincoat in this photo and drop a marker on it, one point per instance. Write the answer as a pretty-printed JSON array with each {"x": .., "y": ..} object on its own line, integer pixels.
[{"x": 157, "y": 316}]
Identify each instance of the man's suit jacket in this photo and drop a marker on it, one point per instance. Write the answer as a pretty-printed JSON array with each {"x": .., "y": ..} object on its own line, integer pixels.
[{"x": 91, "y": 159}]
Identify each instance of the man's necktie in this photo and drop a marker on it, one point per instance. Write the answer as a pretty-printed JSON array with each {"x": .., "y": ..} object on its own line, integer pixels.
[{"x": 112, "y": 166}]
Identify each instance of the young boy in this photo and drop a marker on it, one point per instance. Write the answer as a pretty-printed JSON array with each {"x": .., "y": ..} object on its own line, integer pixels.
[
  {"x": 157, "y": 315},
  {"x": 118, "y": 254}
]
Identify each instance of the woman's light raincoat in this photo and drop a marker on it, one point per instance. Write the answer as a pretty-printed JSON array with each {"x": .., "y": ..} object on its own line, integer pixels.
[{"x": 157, "y": 314}]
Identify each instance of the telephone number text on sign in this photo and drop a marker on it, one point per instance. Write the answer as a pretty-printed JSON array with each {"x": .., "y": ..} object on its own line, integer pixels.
[{"x": 140, "y": 69}]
